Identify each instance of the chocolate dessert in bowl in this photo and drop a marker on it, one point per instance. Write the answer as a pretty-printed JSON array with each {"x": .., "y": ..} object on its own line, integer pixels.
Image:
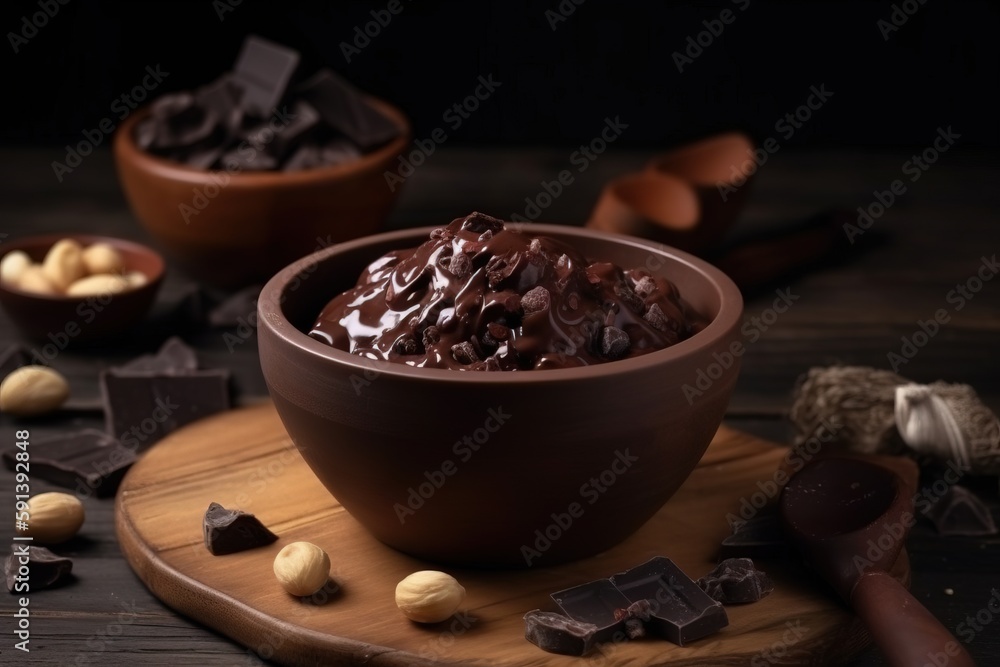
[{"x": 489, "y": 395}]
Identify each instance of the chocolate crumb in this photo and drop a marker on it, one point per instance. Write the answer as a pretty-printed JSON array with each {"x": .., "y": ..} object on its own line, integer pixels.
[
  {"x": 406, "y": 344},
  {"x": 480, "y": 222},
  {"x": 432, "y": 335},
  {"x": 645, "y": 286},
  {"x": 460, "y": 265},
  {"x": 657, "y": 318},
  {"x": 536, "y": 299},
  {"x": 464, "y": 353}
]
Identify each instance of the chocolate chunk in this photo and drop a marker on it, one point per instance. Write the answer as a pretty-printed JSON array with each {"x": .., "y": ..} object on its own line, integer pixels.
[
  {"x": 263, "y": 69},
  {"x": 88, "y": 461},
  {"x": 480, "y": 223},
  {"x": 44, "y": 568},
  {"x": 760, "y": 537},
  {"x": 231, "y": 531},
  {"x": 736, "y": 581},
  {"x": 645, "y": 286},
  {"x": 12, "y": 358},
  {"x": 635, "y": 616},
  {"x": 681, "y": 612},
  {"x": 303, "y": 124},
  {"x": 144, "y": 407},
  {"x": 535, "y": 247},
  {"x": 614, "y": 342},
  {"x": 497, "y": 331},
  {"x": 556, "y": 633},
  {"x": 344, "y": 108},
  {"x": 596, "y": 602},
  {"x": 431, "y": 336},
  {"x": 498, "y": 269},
  {"x": 535, "y": 300},
  {"x": 487, "y": 364},
  {"x": 464, "y": 353},
  {"x": 630, "y": 299},
  {"x": 657, "y": 318},
  {"x": 235, "y": 310},
  {"x": 174, "y": 356},
  {"x": 221, "y": 99},
  {"x": 406, "y": 344},
  {"x": 460, "y": 265},
  {"x": 959, "y": 512}
]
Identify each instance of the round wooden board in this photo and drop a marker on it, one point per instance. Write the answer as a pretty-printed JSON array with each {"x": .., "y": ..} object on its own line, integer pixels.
[{"x": 243, "y": 459}]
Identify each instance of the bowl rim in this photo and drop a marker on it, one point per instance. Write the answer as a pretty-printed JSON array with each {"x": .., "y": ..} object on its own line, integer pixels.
[
  {"x": 271, "y": 317},
  {"x": 84, "y": 238},
  {"x": 126, "y": 150}
]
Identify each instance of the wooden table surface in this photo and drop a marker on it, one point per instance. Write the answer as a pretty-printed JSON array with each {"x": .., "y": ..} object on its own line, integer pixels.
[{"x": 896, "y": 274}]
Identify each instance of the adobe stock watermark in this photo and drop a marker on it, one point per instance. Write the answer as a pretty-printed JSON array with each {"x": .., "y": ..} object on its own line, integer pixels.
[
  {"x": 363, "y": 35},
  {"x": 100, "y": 641},
  {"x": 973, "y": 624},
  {"x": 121, "y": 107},
  {"x": 590, "y": 491},
  {"x": 697, "y": 43},
  {"x": 957, "y": 298},
  {"x": 915, "y": 167},
  {"x": 30, "y": 25},
  {"x": 777, "y": 652},
  {"x": 796, "y": 459},
  {"x": 786, "y": 127},
  {"x": 223, "y": 7},
  {"x": 463, "y": 449},
  {"x": 246, "y": 152},
  {"x": 562, "y": 12},
  {"x": 753, "y": 328},
  {"x": 581, "y": 158},
  {"x": 898, "y": 17},
  {"x": 454, "y": 117}
]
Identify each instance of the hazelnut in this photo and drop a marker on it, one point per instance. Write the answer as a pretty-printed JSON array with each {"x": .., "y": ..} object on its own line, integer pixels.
[
  {"x": 103, "y": 258},
  {"x": 302, "y": 568},
  {"x": 32, "y": 390},
  {"x": 13, "y": 265},
  {"x": 63, "y": 264},
  {"x": 429, "y": 596},
  {"x": 135, "y": 278},
  {"x": 98, "y": 285},
  {"x": 33, "y": 279},
  {"x": 53, "y": 517}
]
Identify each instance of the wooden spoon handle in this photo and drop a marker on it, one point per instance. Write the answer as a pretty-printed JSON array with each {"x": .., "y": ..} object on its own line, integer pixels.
[{"x": 907, "y": 633}]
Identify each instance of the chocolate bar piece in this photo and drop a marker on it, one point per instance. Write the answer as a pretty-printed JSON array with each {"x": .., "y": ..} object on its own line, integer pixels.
[
  {"x": 959, "y": 512},
  {"x": 302, "y": 125},
  {"x": 12, "y": 358},
  {"x": 232, "y": 531},
  {"x": 221, "y": 99},
  {"x": 263, "y": 69},
  {"x": 759, "y": 537},
  {"x": 736, "y": 581},
  {"x": 344, "y": 108},
  {"x": 88, "y": 461},
  {"x": 174, "y": 356},
  {"x": 681, "y": 611},
  {"x": 34, "y": 567},
  {"x": 556, "y": 633},
  {"x": 596, "y": 602},
  {"x": 144, "y": 407}
]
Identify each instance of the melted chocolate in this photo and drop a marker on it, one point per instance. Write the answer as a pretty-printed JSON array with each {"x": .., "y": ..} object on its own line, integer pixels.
[{"x": 479, "y": 296}]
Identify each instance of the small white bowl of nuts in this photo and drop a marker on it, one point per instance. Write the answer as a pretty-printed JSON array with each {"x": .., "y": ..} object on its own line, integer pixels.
[{"x": 68, "y": 289}]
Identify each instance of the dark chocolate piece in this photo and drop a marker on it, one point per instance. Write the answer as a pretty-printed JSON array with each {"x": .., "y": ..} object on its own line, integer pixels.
[
  {"x": 263, "y": 70},
  {"x": 144, "y": 407},
  {"x": 343, "y": 107},
  {"x": 960, "y": 513},
  {"x": 760, "y": 537},
  {"x": 535, "y": 300},
  {"x": 88, "y": 461},
  {"x": 636, "y": 615},
  {"x": 464, "y": 353},
  {"x": 236, "y": 310},
  {"x": 556, "y": 633},
  {"x": 338, "y": 151},
  {"x": 12, "y": 358},
  {"x": 681, "y": 611},
  {"x": 44, "y": 568},
  {"x": 302, "y": 125},
  {"x": 596, "y": 602},
  {"x": 736, "y": 581},
  {"x": 174, "y": 356},
  {"x": 221, "y": 99},
  {"x": 231, "y": 531},
  {"x": 614, "y": 342}
]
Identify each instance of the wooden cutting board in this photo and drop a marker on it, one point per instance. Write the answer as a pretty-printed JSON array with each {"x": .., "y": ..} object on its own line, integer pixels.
[{"x": 244, "y": 459}]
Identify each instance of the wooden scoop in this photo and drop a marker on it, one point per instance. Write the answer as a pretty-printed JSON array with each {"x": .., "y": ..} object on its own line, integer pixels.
[{"x": 850, "y": 519}]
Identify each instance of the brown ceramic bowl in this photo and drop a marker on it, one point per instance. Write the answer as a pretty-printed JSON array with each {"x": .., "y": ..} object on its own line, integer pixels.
[
  {"x": 245, "y": 226},
  {"x": 66, "y": 321},
  {"x": 509, "y": 469}
]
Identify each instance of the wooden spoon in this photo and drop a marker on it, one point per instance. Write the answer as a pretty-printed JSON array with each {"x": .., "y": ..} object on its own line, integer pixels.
[{"x": 850, "y": 519}]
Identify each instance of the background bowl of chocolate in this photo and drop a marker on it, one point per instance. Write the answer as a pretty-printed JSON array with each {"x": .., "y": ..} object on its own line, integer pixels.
[
  {"x": 241, "y": 176},
  {"x": 505, "y": 468},
  {"x": 63, "y": 302}
]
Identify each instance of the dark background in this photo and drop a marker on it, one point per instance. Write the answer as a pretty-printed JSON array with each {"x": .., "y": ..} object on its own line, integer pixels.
[{"x": 607, "y": 59}]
